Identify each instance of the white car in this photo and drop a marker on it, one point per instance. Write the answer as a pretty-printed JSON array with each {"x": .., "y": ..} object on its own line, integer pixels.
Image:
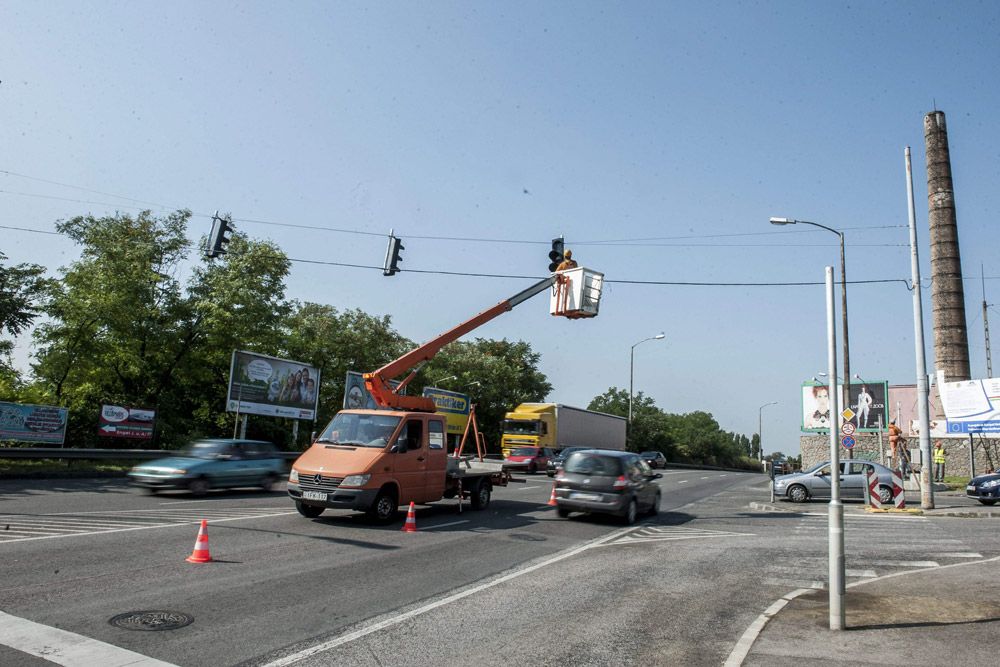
[{"x": 816, "y": 482}]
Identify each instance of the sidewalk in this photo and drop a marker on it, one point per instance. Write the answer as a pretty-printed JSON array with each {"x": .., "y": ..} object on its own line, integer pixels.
[{"x": 936, "y": 616}]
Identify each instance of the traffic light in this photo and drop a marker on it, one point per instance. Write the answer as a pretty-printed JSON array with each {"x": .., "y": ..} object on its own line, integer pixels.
[
  {"x": 392, "y": 258},
  {"x": 218, "y": 239},
  {"x": 556, "y": 255}
]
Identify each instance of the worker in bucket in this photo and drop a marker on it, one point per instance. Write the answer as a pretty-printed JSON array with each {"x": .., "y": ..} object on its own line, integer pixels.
[{"x": 568, "y": 262}]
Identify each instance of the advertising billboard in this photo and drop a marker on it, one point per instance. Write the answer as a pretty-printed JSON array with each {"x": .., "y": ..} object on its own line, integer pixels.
[
  {"x": 121, "y": 422},
  {"x": 867, "y": 400},
  {"x": 23, "y": 422},
  {"x": 972, "y": 406},
  {"x": 453, "y": 405},
  {"x": 262, "y": 385}
]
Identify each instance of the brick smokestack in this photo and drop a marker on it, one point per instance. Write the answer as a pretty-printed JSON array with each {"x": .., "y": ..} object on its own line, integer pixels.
[{"x": 951, "y": 339}]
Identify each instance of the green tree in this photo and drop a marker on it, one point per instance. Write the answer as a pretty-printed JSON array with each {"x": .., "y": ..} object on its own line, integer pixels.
[{"x": 23, "y": 290}]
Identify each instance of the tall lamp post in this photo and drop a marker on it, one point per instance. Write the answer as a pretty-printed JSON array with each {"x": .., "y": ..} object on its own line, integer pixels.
[
  {"x": 843, "y": 294},
  {"x": 631, "y": 370},
  {"x": 760, "y": 427}
]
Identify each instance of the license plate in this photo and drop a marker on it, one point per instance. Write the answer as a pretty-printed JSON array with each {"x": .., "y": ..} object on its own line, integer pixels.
[
  {"x": 971, "y": 488},
  {"x": 314, "y": 495},
  {"x": 584, "y": 496}
]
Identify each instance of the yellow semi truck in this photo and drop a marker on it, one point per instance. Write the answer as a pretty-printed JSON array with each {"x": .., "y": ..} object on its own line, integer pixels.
[{"x": 557, "y": 426}]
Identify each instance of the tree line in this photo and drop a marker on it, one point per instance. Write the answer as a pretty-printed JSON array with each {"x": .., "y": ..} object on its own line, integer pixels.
[{"x": 143, "y": 319}]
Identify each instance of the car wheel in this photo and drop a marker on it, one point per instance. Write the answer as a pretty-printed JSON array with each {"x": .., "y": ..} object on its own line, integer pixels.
[
  {"x": 147, "y": 490},
  {"x": 798, "y": 494},
  {"x": 562, "y": 512},
  {"x": 268, "y": 482},
  {"x": 383, "y": 510},
  {"x": 655, "y": 509},
  {"x": 631, "y": 512},
  {"x": 308, "y": 511},
  {"x": 988, "y": 502},
  {"x": 480, "y": 496},
  {"x": 885, "y": 495},
  {"x": 199, "y": 486}
]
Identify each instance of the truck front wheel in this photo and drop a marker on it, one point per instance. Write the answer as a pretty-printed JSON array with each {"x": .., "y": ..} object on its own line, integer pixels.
[
  {"x": 481, "y": 495},
  {"x": 383, "y": 510}
]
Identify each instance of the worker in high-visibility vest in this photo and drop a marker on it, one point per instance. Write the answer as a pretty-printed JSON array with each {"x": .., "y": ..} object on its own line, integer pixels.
[{"x": 939, "y": 455}]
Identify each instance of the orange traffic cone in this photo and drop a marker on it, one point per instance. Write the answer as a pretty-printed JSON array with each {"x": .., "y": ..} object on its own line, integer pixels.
[
  {"x": 200, "y": 553},
  {"x": 411, "y": 520},
  {"x": 552, "y": 498}
]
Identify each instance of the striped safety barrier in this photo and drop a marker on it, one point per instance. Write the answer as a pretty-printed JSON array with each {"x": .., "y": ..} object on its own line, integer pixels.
[
  {"x": 898, "y": 494},
  {"x": 874, "y": 498}
]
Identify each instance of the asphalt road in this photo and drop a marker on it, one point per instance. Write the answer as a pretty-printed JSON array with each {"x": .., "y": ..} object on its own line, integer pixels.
[{"x": 514, "y": 582}]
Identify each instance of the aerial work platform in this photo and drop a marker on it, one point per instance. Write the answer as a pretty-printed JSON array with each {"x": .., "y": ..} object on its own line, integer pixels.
[{"x": 576, "y": 293}]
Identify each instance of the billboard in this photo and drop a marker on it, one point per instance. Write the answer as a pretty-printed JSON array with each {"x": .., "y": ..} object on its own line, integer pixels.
[
  {"x": 356, "y": 396},
  {"x": 121, "y": 422},
  {"x": 262, "y": 385},
  {"x": 868, "y": 400},
  {"x": 972, "y": 406},
  {"x": 453, "y": 405},
  {"x": 44, "y": 424}
]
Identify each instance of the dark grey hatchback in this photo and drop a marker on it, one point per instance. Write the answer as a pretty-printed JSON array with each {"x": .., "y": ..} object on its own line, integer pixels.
[{"x": 607, "y": 482}]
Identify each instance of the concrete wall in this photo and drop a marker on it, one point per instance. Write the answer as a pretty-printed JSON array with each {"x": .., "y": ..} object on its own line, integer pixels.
[{"x": 816, "y": 448}]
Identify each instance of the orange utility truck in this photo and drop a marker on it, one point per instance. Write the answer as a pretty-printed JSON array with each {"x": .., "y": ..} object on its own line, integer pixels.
[{"x": 376, "y": 460}]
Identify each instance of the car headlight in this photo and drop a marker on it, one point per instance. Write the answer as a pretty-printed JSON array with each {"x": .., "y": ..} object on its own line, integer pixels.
[
  {"x": 293, "y": 476},
  {"x": 177, "y": 471},
  {"x": 356, "y": 480},
  {"x": 990, "y": 484}
]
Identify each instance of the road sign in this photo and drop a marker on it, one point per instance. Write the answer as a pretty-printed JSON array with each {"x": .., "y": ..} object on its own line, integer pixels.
[
  {"x": 847, "y": 414},
  {"x": 847, "y": 428},
  {"x": 847, "y": 441}
]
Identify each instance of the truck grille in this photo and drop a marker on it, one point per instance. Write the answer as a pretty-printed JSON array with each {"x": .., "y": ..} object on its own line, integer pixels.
[{"x": 325, "y": 483}]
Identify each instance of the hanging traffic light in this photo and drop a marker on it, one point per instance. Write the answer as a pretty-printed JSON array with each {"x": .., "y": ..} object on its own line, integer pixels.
[
  {"x": 392, "y": 258},
  {"x": 556, "y": 255},
  {"x": 218, "y": 239}
]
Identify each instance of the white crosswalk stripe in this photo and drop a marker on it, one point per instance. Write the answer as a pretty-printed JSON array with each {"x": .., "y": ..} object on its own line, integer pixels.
[
  {"x": 25, "y": 527},
  {"x": 646, "y": 534}
]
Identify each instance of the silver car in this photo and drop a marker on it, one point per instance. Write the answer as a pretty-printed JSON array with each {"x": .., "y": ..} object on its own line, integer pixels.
[{"x": 815, "y": 482}]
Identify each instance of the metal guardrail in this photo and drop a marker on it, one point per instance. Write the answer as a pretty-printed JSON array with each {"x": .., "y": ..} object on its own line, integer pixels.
[{"x": 99, "y": 454}]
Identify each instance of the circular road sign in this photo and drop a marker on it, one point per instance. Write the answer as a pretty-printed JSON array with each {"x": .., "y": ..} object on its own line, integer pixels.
[
  {"x": 847, "y": 428},
  {"x": 847, "y": 441}
]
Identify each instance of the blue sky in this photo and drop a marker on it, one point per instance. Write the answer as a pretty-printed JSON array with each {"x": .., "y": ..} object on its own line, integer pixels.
[{"x": 511, "y": 123}]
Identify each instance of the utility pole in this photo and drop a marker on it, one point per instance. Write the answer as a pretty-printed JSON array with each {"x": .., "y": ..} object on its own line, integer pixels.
[{"x": 986, "y": 326}]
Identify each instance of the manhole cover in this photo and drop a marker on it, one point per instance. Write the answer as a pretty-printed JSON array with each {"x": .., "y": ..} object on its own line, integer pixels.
[{"x": 151, "y": 620}]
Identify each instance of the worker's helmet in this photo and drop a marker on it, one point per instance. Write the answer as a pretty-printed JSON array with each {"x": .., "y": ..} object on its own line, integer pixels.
[{"x": 568, "y": 254}]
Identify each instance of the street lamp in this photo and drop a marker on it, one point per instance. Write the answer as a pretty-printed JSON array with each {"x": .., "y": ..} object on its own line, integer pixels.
[
  {"x": 843, "y": 283},
  {"x": 760, "y": 428},
  {"x": 631, "y": 370}
]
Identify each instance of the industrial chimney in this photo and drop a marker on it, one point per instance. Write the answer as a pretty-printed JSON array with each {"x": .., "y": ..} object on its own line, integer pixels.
[{"x": 951, "y": 339}]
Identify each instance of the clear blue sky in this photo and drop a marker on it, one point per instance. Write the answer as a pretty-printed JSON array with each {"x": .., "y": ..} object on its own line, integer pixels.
[{"x": 514, "y": 122}]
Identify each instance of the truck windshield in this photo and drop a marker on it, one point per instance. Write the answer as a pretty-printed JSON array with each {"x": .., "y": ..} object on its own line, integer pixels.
[
  {"x": 519, "y": 427},
  {"x": 524, "y": 451},
  {"x": 360, "y": 430}
]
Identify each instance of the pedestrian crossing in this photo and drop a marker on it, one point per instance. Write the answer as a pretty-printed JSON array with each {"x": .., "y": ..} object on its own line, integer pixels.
[
  {"x": 647, "y": 534},
  {"x": 26, "y": 527},
  {"x": 874, "y": 546}
]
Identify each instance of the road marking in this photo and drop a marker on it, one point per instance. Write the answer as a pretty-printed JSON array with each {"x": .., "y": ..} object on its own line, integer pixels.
[
  {"x": 669, "y": 533},
  {"x": 799, "y": 583},
  {"x": 67, "y": 648},
  {"x": 683, "y": 481},
  {"x": 443, "y": 525},
  {"x": 525, "y": 488},
  {"x": 448, "y": 599},
  {"x": 952, "y": 554},
  {"x": 906, "y": 563},
  {"x": 165, "y": 522}
]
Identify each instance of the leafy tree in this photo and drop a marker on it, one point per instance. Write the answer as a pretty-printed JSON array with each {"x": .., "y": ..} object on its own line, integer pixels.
[{"x": 23, "y": 290}]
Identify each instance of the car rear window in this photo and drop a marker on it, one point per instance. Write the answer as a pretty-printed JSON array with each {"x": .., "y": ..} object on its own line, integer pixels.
[
  {"x": 582, "y": 463},
  {"x": 523, "y": 451}
]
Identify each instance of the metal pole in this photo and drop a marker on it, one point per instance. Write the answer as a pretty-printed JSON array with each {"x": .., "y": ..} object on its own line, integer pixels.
[
  {"x": 760, "y": 440},
  {"x": 881, "y": 445},
  {"x": 837, "y": 591},
  {"x": 631, "y": 381},
  {"x": 926, "y": 485},
  {"x": 972, "y": 457},
  {"x": 843, "y": 316},
  {"x": 243, "y": 429}
]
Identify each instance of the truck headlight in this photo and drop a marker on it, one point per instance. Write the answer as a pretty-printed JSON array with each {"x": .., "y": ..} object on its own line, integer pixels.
[
  {"x": 356, "y": 480},
  {"x": 293, "y": 476}
]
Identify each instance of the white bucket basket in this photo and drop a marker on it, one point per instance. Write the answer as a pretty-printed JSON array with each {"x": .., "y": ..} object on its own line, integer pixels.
[{"x": 576, "y": 293}]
